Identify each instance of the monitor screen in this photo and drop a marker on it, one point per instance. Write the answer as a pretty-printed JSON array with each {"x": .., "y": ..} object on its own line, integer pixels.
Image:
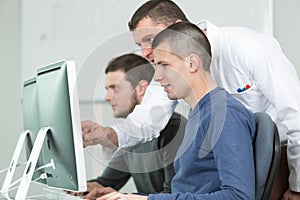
[
  {"x": 31, "y": 122},
  {"x": 58, "y": 108}
]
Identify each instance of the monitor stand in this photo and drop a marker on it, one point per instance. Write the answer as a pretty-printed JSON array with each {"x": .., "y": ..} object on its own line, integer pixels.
[
  {"x": 31, "y": 164},
  {"x": 13, "y": 163}
]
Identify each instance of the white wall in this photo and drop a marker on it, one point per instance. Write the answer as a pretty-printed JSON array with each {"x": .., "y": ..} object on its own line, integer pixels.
[
  {"x": 287, "y": 29},
  {"x": 92, "y": 33},
  {"x": 10, "y": 80}
]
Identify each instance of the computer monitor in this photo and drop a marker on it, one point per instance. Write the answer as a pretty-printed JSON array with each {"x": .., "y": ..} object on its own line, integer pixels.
[
  {"x": 59, "y": 139},
  {"x": 59, "y": 109},
  {"x": 31, "y": 122}
]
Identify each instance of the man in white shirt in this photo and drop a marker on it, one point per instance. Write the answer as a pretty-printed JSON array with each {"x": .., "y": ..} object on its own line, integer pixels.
[{"x": 247, "y": 64}]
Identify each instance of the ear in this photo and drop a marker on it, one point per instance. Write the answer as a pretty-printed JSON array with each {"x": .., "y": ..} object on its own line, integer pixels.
[
  {"x": 141, "y": 88},
  {"x": 194, "y": 62}
]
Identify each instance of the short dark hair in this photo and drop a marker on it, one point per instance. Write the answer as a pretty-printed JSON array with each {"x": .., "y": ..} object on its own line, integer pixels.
[
  {"x": 160, "y": 11},
  {"x": 135, "y": 67},
  {"x": 185, "y": 38}
]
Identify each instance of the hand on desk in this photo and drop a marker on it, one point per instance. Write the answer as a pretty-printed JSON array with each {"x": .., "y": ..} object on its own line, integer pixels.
[
  {"x": 118, "y": 195},
  {"x": 90, "y": 186},
  {"x": 98, "y": 192},
  {"x": 93, "y": 134},
  {"x": 290, "y": 195}
]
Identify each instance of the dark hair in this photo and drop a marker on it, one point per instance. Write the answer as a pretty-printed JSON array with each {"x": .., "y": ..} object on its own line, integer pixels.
[
  {"x": 160, "y": 11},
  {"x": 135, "y": 67},
  {"x": 184, "y": 39}
]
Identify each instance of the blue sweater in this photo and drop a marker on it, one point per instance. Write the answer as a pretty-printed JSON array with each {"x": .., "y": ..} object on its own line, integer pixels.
[{"x": 215, "y": 159}]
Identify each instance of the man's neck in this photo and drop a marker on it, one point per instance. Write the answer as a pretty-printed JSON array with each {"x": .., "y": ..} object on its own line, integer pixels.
[{"x": 199, "y": 89}]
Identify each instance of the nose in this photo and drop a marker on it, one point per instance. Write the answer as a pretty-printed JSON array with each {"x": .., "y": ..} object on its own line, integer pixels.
[
  {"x": 147, "y": 52},
  {"x": 109, "y": 95},
  {"x": 158, "y": 74}
]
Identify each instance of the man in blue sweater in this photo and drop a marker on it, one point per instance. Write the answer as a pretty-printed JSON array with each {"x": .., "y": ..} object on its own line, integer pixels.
[{"x": 215, "y": 159}]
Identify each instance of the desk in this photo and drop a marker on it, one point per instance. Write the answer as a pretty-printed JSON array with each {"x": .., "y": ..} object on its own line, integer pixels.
[{"x": 49, "y": 194}]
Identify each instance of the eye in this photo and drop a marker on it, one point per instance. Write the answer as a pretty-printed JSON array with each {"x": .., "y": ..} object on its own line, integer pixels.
[
  {"x": 147, "y": 41},
  {"x": 161, "y": 66},
  {"x": 116, "y": 89},
  {"x": 150, "y": 40},
  {"x": 164, "y": 65}
]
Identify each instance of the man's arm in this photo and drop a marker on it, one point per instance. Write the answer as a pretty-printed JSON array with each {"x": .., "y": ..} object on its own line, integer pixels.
[
  {"x": 142, "y": 125},
  {"x": 112, "y": 178}
]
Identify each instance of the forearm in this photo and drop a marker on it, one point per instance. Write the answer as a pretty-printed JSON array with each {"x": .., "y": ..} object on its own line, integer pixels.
[{"x": 113, "y": 178}]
